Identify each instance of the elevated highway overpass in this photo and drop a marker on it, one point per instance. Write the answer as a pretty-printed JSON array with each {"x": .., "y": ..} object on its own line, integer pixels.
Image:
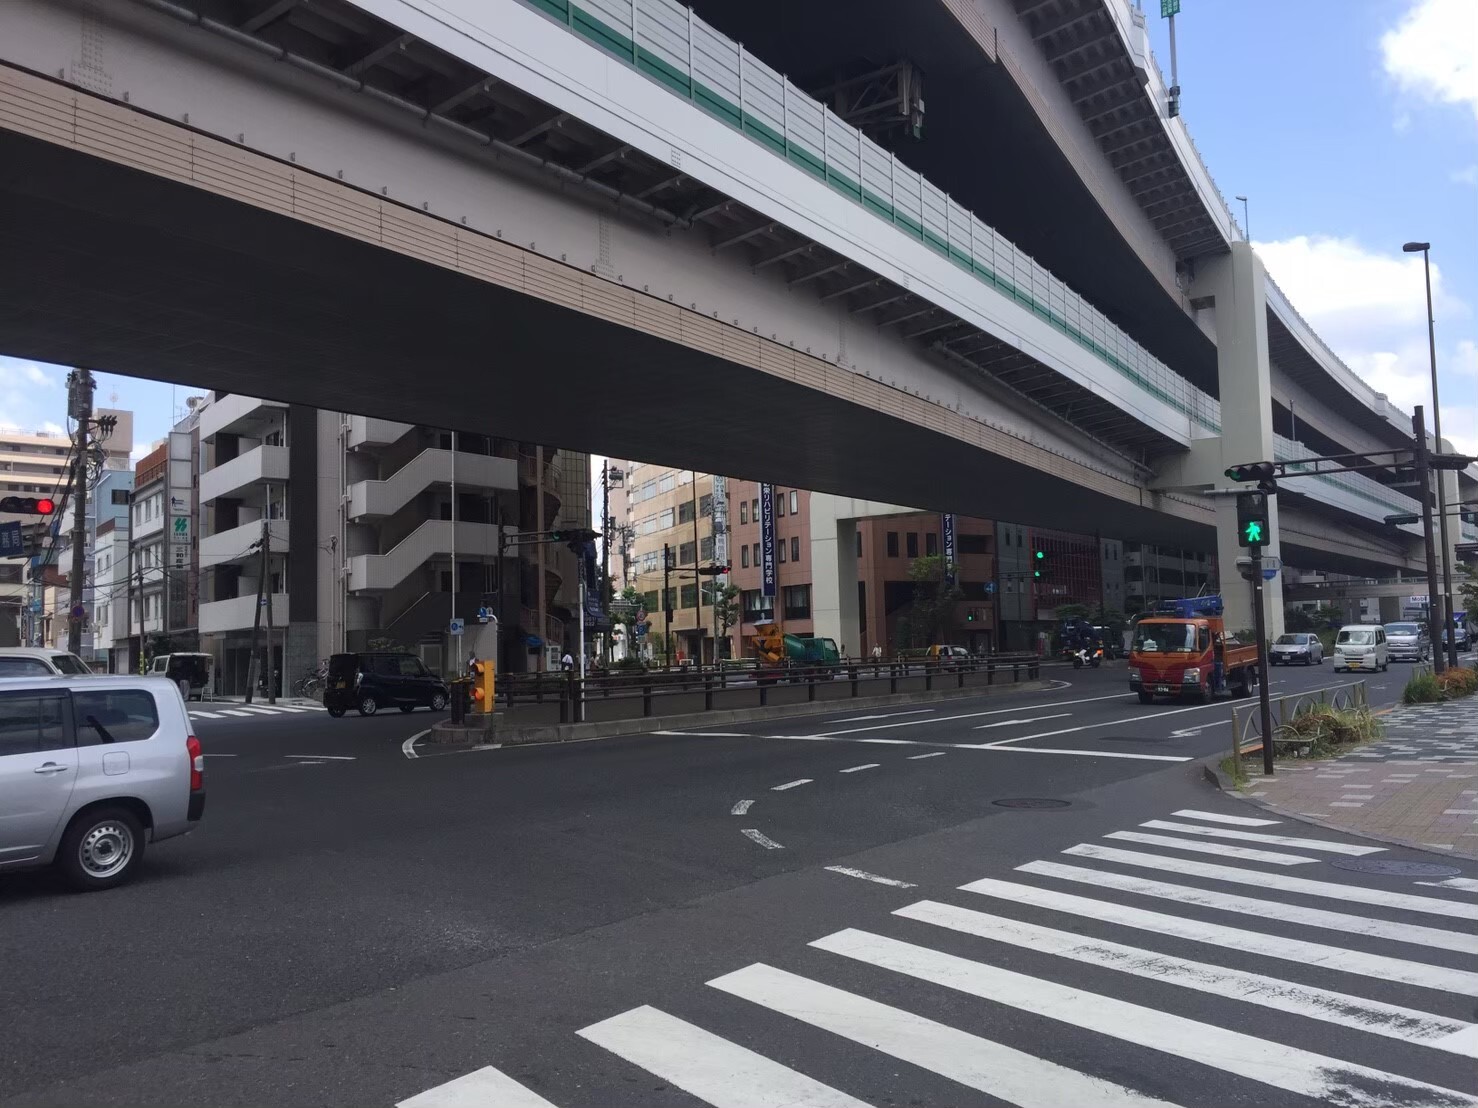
[{"x": 523, "y": 219}]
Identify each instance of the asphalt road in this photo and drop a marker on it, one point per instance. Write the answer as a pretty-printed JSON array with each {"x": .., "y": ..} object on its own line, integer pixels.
[{"x": 363, "y": 917}]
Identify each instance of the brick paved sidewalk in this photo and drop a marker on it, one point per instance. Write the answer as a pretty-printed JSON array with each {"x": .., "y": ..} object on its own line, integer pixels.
[{"x": 1418, "y": 786}]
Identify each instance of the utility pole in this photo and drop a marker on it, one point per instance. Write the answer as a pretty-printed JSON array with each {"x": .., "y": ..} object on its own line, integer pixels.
[
  {"x": 80, "y": 401},
  {"x": 254, "y": 665},
  {"x": 141, "y": 610},
  {"x": 1265, "y": 707},
  {"x": 1434, "y": 595},
  {"x": 272, "y": 670}
]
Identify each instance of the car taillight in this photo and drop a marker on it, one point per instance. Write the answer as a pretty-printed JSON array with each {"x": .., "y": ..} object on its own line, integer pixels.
[{"x": 197, "y": 763}]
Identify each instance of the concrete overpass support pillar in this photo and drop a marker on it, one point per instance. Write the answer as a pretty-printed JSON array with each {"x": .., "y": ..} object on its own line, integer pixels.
[
  {"x": 834, "y": 582},
  {"x": 1235, "y": 284}
]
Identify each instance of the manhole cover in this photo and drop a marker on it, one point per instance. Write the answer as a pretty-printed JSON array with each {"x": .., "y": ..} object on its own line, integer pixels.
[
  {"x": 1029, "y": 802},
  {"x": 1394, "y": 867}
]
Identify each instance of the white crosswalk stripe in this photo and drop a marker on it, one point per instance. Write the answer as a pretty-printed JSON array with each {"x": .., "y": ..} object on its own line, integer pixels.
[
  {"x": 229, "y": 709},
  {"x": 1067, "y": 952}
]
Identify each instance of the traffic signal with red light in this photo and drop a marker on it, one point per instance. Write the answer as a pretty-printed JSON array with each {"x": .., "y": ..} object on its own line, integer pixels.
[
  {"x": 33, "y": 505},
  {"x": 712, "y": 571},
  {"x": 482, "y": 685}
]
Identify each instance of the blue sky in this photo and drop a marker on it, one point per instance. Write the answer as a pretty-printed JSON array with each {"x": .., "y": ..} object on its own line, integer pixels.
[{"x": 1350, "y": 125}]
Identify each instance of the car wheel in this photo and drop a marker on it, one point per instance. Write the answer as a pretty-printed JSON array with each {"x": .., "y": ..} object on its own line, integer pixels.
[
  {"x": 438, "y": 702},
  {"x": 336, "y": 712},
  {"x": 1146, "y": 698},
  {"x": 407, "y": 707},
  {"x": 102, "y": 848},
  {"x": 368, "y": 705},
  {"x": 1321, "y": 659}
]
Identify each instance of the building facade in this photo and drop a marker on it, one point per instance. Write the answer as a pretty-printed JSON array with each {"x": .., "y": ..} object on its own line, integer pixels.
[{"x": 324, "y": 532}]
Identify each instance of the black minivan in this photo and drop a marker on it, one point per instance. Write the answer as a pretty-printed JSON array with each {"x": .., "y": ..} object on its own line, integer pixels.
[{"x": 369, "y": 681}]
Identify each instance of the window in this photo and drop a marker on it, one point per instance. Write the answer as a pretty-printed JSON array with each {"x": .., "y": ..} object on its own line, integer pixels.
[
  {"x": 408, "y": 665},
  {"x": 70, "y": 664},
  {"x": 649, "y": 601},
  {"x": 753, "y": 603},
  {"x": 689, "y": 596},
  {"x": 744, "y": 511},
  {"x": 931, "y": 544},
  {"x": 913, "y": 544},
  {"x": 664, "y": 520},
  {"x": 973, "y": 544},
  {"x": 30, "y": 724},
  {"x": 23, "y": 667},
  {"x": 795, "y": 502},
  {"x": 780, "y": 551},
  {"x": 795, "y": 548},
  {"x": 667, "y": 482},
  {"x": 779, "y": 504},
  {"x": 705, "y": 504},
  {"x": 859, "y": 544},
  {"x": 685, "y": 512},
  {"x": 892, "y": 544},
  {"x": 797, "y": 601},
  {"x": 648, "y": 563},
  {"x": 757, "y": 554},
  {"x": 754, "y": 509},
  {"x": 705, "y": 548},
  {"x": 744, "y": 557},
  {"x": 114, "y": 716},
  {"x": 684, "y": 553}
]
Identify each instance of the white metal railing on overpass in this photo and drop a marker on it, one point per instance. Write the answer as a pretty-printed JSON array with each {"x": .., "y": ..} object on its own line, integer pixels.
[{"x": 668, "y": 43}]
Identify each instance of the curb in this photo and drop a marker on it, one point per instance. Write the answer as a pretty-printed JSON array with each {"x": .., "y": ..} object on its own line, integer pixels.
[
  {"x": 617, "y": 728},
  {"x": 1211, "y": 767}
]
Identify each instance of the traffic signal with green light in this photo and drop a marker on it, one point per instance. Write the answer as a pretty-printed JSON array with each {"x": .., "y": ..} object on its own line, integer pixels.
[
  {"x": 1253, "y": 529},
  {"x": 1040, "y": 564}
]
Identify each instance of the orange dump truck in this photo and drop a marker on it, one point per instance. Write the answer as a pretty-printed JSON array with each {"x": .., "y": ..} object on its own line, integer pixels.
[{"x": 1183, "y": 650}]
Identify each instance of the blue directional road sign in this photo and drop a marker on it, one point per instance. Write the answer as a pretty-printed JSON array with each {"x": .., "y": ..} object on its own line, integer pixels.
[{"x": 456, "y": 626}]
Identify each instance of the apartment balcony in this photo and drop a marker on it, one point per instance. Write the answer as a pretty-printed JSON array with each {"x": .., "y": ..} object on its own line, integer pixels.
[
  {"x": 235, "y": 478},
  {"x": 432, "y": 539},
  {"x": 237, "y": 544},
  {"x": 364, "y": 431},
  {"x": 238, "y": 613},
  {"x": 241, "y": 415},
  {"x": 376, "y": 499}
]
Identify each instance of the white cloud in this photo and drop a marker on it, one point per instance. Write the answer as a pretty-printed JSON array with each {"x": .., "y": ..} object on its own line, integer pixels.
[
  {"x": 1433, "y": 52},
  {"x": 1371, "y": 309},
  {"x": 1468, "y": 175}
]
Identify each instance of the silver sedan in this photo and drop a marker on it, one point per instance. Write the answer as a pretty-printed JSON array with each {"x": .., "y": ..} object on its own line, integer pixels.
[{"x": 1300, "y": 647}]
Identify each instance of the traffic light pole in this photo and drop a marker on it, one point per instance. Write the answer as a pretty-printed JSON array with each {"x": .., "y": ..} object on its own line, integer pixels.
[
  {"x": 1265, "y": 707},
  {"x": 1434, "y": 595}
]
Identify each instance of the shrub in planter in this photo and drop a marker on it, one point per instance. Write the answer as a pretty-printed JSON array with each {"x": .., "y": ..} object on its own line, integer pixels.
[{"x": 1422, "y": 689}]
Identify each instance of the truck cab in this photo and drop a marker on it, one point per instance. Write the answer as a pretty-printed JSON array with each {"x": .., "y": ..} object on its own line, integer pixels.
[{"x": 1183, "y": 650}]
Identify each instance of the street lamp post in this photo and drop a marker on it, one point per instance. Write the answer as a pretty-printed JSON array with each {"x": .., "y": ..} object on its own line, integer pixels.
[
  {"x": 609, "y": 475},
  {"x": 1425, "y": 250}
]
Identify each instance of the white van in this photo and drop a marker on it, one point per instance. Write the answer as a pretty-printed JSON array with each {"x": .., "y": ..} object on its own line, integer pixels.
[{"x": 1361, "y": 646}]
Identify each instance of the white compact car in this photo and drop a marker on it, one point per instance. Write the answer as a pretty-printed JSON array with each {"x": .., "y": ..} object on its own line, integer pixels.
[
  {"x": 39, "y": 661},
  {"x": 1361, "y": 646},
  {"x": 91, "y": 769}
]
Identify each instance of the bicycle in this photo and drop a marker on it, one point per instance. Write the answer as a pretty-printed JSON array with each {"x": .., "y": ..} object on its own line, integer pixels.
[{"x": 310, "y": 685}]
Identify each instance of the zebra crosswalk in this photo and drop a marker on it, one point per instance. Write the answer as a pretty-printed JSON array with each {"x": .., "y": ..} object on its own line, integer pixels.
[
  {"x": 1166, "y": 978},
  {"x": 234, "y": 710}
]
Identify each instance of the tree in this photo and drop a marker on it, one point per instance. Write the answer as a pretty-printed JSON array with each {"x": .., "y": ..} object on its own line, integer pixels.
[
  {"x": 935, "y": 593},
  {"x": 1072, "y": 611},
  {"x": 1468, "y": 593},
  {"x": 726, "y": 609}
]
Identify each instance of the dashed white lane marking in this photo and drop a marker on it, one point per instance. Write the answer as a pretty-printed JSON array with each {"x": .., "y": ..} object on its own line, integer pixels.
[
  {"x": 1374, "y": 1016},
  {"x": 791, "y": 784},
  {"x": 1325, "y": 1080},
  {"x": 856, "y": 769},
  {"x": 716, "y": 1071},
  {"x": 408, "y": 748},
  {"x": 1303, "y": 951},
  {"x": 223, "y": 755},
  {"x": 235, "y": 712},
  {"x": 1221, "y": 850},
  {"x": 475, "y": 1090},
  {"x": 205, "y": 715},
  {"x": 740, "y": 808},
  {"x": 863, "y": 875},
  {"x": 1344, "y": 922},
  {"x": 1106, "y": 723},
  {"x": 1256, "y": 837},
  {"x": 977, "y": 1063},
  {"x": 885, "y": 715},
  {"x": 932, "y": 754},
  {"x": 324, "y": 757},
  {"x": 711, "y": 734},
  {"x": 760, "y": 837},
  {"x": 1020, "y": 722},
  {"x": 1355, "y": 893}
]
